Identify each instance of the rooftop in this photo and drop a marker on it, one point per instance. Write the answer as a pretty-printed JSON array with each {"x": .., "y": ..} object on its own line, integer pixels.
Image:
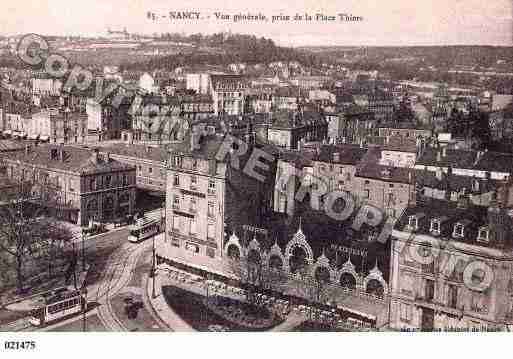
[{"x": 75, "y": 159}]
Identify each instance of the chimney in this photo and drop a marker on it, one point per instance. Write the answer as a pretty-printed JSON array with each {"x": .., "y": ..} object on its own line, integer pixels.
[
  {"x": 61, "y": 152},
  {"x": 438, "y": 173},
  {"x": 94, "y": 156},
  {"x": 463, "y": 201}
]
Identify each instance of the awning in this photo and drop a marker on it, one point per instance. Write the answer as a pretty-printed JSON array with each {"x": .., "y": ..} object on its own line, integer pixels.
[
  {"x": 16, "y": 133},
  {"x": 33, "y": 137},
  {"x": 44, "y": 138},
  {"x": 7, "y": 132},
  {"x": 22, "y": 134}
]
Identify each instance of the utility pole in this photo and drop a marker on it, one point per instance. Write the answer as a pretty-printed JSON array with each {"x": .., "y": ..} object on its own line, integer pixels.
[
  {"x": 153, "y": 270},
  {"x": 84, "y": 289}
]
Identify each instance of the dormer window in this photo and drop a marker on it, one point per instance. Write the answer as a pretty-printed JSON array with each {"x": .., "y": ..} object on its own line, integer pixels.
[
  {"x": 178, "y": 161},
  {"x": 475, "y": 185},
  {"x": 458, "y": 231},
  {"x": 483, "y": 234},
  {"x": 413, "y": 223},
  {"x": 435, "y": 226}
]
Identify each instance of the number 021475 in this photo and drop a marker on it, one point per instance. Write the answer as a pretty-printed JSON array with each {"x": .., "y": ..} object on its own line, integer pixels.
[{"x": 20, "y": 345}]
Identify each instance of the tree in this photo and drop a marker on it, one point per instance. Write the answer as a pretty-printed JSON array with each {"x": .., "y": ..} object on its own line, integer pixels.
[
  {"x": 28, "y": 227},
  {"x": 251, "y": 270}
]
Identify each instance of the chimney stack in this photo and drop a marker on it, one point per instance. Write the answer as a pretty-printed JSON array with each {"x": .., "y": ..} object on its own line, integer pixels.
[
  {"x": 61, "y": 152},
  {"x": 94, "y": 156}
]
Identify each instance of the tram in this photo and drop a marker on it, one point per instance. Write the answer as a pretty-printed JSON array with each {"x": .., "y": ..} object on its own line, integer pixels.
[
  {"x": 57, "y": 304},
  {"x": 144, "y": 228}
]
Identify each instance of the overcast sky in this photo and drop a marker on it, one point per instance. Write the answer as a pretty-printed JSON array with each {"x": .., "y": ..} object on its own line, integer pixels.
[{"x": 386, "y": 22}]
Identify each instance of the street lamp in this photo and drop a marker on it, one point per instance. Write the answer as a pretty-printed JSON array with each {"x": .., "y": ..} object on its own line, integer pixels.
[
  {"x": 153, "y": 270},
  {"x": 84, "y": 308}
]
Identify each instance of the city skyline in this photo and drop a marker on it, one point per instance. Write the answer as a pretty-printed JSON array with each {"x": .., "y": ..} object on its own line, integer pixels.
[{"x": 399, "y": 24}]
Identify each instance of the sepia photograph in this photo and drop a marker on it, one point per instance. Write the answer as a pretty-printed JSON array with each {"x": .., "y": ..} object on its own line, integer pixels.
[{"x": 317, "y": 167}]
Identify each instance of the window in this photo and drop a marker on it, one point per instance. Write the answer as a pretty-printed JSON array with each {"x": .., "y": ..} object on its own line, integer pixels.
[
  {"x": 211, "y": 231},
  {"x": 195, "y": 164},
  {"x": 413, "y": 223},
  {"x": 210, "y": 212},
  {"x": 458, "y": 231},
  {"x": 108, "y": 181},
  {"x": 483, "y": 234},
  {"x": 366, "y": 193},
  {"x": 192, "y": 227},
  {"x": 176, "y": 202},
  {"x": 452, "y": 296},
  {"x": 176, "y": 223},
  {"x": 125, "y": 180},
  {"x": 192, "y": 207},
  {"x": 150, "y": 170},
  {"x": 211, "y": 186},
  {"x": 429, "y": 293},
  {"x": 176, "y": 181},
  {"x": 92, "y": 184},
  {"x": 406, "y": 312},
  {"x": 435, "y": 226},
  {"x": 194, "y": 181}
]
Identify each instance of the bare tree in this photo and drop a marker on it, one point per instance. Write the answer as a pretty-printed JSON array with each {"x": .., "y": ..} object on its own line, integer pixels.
[
  {"x": 256, "y": 274},
  {"x": 28, "y": 226}
]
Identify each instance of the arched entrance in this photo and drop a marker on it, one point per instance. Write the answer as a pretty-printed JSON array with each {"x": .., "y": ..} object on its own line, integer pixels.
[
  {"x": 347, "y": 280},
  {"x": 298, "y": 260},
  {"x": 375, "y": 287},
  {"x": 92, "y": 210},
  {"x": 233, "y": 252},
  {"x": 108, "y": 208}
]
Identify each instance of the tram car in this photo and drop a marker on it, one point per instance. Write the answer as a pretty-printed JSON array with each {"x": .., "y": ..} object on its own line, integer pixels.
[
  {"x": 57, "y": 304},
  {"x": 144, "y": 228}
]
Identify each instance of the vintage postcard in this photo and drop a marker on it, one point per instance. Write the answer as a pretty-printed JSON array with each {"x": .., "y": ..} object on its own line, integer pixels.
[{"x": 313, "y": 166}]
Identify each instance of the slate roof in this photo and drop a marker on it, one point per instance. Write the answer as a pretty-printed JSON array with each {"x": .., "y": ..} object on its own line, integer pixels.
[
  {"x": 449, "y": 213},
  {"x": 467, "y": 159},
  {"x": 76, "y": 159},
  {"x": 386, "y": 173},
  {"x": 289, "y": 120},
  {"x": 348, "y": 154}
]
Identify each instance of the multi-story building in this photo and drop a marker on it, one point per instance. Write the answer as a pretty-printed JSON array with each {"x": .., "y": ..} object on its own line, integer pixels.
[
  {"x": 351, "y": 124},
  {"x": 451, "y": 267},
  {"x": 228, "y": 93},
  {"x": 150, "y": 163},
  {"x": 58, "y": 126},
  {"x": 479, "y": 164},
  {"x": 289, "y": 129},
  {"x": 106, "y": 119},
  {"x": 287, "y": 98},
  {"x": 196, "y": 107},
  {"x": 205, "y": 197},
  {"x": 388, "y": 188},
  {"x": 87, "y": 186},
  {"x": 46, "y": 86}
]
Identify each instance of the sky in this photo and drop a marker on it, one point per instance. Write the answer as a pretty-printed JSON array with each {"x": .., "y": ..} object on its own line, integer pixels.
[{"x": 385, "y": 23}]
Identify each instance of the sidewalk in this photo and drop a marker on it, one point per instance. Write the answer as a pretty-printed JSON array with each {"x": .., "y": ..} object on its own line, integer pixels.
[{"x": 160, "y": 307}]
